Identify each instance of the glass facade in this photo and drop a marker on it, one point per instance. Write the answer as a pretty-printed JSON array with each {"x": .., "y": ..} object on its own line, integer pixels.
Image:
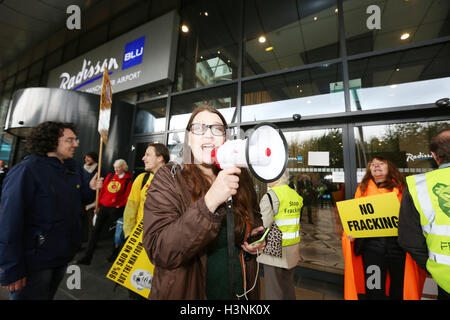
[
  {"x": 151, "y": 117},
  {"x": 222, "y": 98},
  {"x": 410, "y": 77},
  {"x": 208, "y": 43},
  {"x": 309, "y": 92},
  {"x": 407, "y": 145},
  {"x": 372, "y": 25},
  {"x": 316, "y": 167},
  {"x": 285, "y": 34},
  {"x": 363, "y": 76}
]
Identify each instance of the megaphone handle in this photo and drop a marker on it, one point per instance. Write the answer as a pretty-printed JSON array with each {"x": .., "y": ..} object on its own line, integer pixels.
[{"x": 230, "y": 240}]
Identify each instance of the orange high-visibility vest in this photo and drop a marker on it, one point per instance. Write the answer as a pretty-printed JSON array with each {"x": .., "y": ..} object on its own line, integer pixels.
[{"x": 414, "y": 276}]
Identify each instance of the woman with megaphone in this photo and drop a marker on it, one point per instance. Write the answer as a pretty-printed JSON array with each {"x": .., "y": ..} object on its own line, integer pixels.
[{"x": 185, "y": 225}]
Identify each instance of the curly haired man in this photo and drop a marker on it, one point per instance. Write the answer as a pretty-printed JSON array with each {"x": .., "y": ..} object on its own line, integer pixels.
[{"x": 40, "y": 223}]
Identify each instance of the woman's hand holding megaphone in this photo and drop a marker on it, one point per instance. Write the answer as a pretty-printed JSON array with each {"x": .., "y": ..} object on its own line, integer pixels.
[{"x": 224, "y": 186}]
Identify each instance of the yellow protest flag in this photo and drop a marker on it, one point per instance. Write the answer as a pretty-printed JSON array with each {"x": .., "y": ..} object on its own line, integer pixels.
[
  {"x": 373, "y": 216},
  {"x": 132, "y": 267}
]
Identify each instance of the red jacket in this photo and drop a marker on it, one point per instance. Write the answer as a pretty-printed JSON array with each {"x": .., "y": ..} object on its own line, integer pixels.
[{"x": 115, "y": 190}]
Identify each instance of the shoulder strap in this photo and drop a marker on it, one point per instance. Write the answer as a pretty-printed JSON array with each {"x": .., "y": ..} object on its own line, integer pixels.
[
  {"x": 270, "y": 199},
  {"x": 108, "y": 178},
  {"x": 127, "y": 182},
  {"x": 145, "y": 179}
]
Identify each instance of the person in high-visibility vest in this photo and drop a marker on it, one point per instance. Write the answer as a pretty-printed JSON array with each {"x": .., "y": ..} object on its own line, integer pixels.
[
  {"x": 424, "y": 220},
  {"x": 280, "y": 210}
]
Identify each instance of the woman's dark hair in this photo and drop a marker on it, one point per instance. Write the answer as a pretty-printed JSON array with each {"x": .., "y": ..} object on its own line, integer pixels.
[
  {"x": 394, "y": 178},
  {"x": 44, "y": 137},
  {"x": 245, "y": 200},
  {"x": 160, "y": 150},
  {"x": 92, "y": 155}
]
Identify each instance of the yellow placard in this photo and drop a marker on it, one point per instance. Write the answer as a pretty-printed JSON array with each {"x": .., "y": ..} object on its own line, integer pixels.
[
  {"x": 374, "y": 216},
  {"x": 132, "y": 268}
]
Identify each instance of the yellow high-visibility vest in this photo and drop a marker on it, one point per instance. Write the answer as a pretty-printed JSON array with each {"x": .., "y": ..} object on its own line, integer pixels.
[
  {"x": 288, "y": 215},
  {"x": 431, "y": 196}
]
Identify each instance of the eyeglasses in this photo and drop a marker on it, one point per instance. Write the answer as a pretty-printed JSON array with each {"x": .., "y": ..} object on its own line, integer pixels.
[
  {"x": 200, "y": 129},
  {"x": 378, "y": 164},
  {"x": 72, "y": 140}
]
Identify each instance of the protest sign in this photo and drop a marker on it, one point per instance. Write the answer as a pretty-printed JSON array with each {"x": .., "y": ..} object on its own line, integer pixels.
[{"x": 373, "y": 216}]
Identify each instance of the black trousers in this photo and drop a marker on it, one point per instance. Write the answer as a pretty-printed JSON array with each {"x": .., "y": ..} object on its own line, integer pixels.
[
  {"x": 376, "y": 266},
  {"x": 40, "y": 285},
  {"x": 106, "y": 217},
  {"x": 442, "y": 294}
]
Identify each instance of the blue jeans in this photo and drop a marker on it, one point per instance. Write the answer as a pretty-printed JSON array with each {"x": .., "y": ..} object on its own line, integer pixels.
[{"x": 40, "y": 285}]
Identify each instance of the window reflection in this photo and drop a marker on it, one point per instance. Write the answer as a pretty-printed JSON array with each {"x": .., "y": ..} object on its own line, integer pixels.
[
  {"x": 152, "y": 92},
  {"x": 406, "y": 145},
  {"x": 208, "y": 46},
  {"x": 317, "y": 174},
  {"x": 5, "y": 146},
  {"x": 284, "y": 34},
  {"x": 151, "y": 117},
  {"x": 410, "y": 77},
  {"x": 222, "y": 98},
  {"x": 310, "y": 92},
  {"x": 401, "y": 22}
]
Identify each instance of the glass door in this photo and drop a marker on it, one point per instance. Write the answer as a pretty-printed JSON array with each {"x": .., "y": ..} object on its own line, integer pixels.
[
  {"x": 316, "y": 167},
  {"x": 407, "y": 145}
]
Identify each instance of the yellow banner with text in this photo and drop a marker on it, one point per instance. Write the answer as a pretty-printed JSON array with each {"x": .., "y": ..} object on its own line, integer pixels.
[
  {"x": 132, "y": 268},
  {"x": 373, "y": 216}
]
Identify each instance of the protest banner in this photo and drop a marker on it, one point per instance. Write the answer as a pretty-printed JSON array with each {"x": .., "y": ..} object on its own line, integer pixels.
[
  {"x": 132, "y": 267},
  {"x": 373, "y": 216}
]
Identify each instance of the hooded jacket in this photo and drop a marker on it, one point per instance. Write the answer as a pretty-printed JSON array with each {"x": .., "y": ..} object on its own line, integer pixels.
[
  {"x": 176, "y": 235},
  {"x": 40, "y": 224}
]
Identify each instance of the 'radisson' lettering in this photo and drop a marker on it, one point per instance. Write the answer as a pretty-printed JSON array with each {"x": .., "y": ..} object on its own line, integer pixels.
[{"x": 88, "y": 71}]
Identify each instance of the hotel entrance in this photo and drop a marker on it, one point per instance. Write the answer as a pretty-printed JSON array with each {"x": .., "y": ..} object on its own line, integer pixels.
[
  {"x": 316, "y": 168},
  {"x": 316, "y": 172}
]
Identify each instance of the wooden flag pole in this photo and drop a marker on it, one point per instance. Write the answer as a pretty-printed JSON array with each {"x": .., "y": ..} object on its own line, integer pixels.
[
  {"x": 99, "y": 170},
  {"x": 103, "y": 123}
]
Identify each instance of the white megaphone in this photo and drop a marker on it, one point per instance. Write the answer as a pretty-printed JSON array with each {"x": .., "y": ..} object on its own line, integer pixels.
[{"x": 264, "y": 153}]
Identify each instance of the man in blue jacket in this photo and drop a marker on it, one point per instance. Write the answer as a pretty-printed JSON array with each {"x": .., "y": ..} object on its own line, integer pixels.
[{"x": 40, "y": 225}]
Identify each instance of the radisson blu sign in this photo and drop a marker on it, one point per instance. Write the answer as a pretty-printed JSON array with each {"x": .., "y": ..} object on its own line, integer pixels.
[{"x": 140, "y": 57}]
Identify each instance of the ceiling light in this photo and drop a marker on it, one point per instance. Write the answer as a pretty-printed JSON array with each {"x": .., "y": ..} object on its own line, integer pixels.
[
  {"x": 262, "y": 39},
  {"x": 404, "y": 36},
  {"x": 315, "y": 18},
  {"x": 397, "y": 69},
  {"x": 184, "y": 28},
  {"x": 336, "y": 10},
  {"x": 206, "y": 13},
  {"x": 269, "y": 48}
]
